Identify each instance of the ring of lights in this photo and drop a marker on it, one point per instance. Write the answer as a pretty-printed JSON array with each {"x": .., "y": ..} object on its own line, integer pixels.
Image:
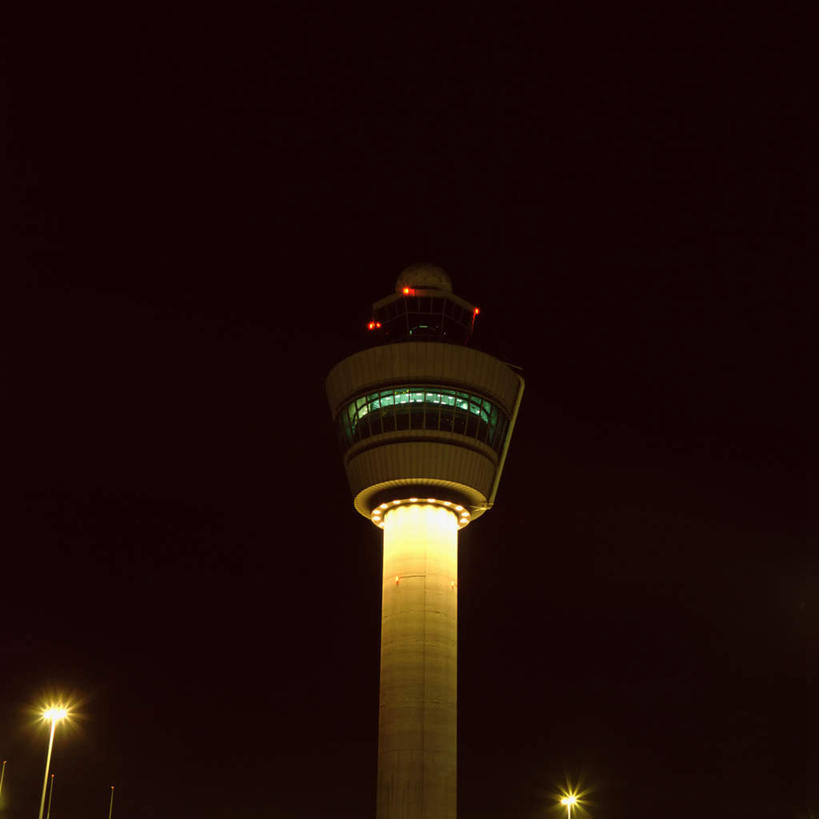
[{"x": 462, "y": 514}]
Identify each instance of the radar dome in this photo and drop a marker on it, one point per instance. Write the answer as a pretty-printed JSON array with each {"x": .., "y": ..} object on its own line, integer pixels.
[{"x": 424, "y": 276}]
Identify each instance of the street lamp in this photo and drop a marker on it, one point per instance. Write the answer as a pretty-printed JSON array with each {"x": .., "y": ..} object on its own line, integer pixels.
[
  {"x": 53, "y": 714},
  {"x": 569, "y": 800}
]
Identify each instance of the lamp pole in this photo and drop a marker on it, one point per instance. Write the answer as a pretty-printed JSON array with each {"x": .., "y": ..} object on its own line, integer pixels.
[
  {"x": 111, "y": 803},
  {"x": 53, "y": 715},
  {"x": 50, "y": 794},
  {"x": 2, "y": 776}
]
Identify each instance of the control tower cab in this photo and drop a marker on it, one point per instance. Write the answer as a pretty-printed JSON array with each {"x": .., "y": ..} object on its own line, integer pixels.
[{"x": 421, "y": 413}]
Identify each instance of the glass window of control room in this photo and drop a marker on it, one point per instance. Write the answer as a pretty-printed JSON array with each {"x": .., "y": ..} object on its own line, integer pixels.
[{"x": 422, "y": 408}]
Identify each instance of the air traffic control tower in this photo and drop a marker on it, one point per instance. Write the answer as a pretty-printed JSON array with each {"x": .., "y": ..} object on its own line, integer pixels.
[{"x": 424, "y": 423}]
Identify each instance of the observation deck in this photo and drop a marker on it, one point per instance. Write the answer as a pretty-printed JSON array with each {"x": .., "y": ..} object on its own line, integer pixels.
[{"x": 420, "y": 412}]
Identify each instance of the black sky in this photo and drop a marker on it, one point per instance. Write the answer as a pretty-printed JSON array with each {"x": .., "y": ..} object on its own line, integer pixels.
[{"x": 203, "y": 204}]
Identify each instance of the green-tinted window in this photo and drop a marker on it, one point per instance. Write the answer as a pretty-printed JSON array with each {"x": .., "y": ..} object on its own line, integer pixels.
[{"x": 411, "y": 408}]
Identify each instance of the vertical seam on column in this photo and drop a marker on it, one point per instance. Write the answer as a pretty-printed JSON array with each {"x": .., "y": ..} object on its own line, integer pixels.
[{"x": 424, "y": 706}]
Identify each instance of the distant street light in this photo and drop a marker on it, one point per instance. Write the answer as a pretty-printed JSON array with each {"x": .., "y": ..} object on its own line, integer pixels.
[
  {"x": 111, "y": 803},
  {"x": 569, "y": 800},
  {"x": 53, "y": 715}
]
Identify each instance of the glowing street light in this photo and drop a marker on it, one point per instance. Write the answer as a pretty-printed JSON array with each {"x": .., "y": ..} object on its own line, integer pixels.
[
  {"x": 569, "y": 800},
  {"x": 111, "y": 803},
  {"x": 53, "y": 714}
]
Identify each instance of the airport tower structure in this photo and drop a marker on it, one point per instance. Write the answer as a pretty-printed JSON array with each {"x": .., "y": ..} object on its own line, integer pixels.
[{"x": 424, "y": 423}]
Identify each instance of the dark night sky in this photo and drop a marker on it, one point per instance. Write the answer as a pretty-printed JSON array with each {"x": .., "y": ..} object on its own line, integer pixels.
[{"x": 202, "y": 205}]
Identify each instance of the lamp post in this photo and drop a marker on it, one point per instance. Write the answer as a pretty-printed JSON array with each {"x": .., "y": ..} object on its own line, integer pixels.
[
  {"x": 111, "y": 803},
  {"x": 52, "y": 715},
  {"x": 570, "y": 800},
  {"x": 2, "y": 776},
  {"x": 50, "y": 794}
]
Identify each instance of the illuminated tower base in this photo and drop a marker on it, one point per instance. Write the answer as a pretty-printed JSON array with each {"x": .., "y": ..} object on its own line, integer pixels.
[{"x": 417, "y": 727}]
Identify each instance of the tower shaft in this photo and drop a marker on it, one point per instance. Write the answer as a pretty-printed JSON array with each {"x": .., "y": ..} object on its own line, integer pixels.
[{"x": 417, "y": 732}]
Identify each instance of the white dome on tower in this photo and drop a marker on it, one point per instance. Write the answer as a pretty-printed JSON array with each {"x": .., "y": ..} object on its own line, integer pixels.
[{"x": 424, "y": 276}]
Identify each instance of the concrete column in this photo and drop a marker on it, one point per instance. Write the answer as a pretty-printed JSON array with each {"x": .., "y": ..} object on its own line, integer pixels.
[{"x": 417, "y": 730}]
